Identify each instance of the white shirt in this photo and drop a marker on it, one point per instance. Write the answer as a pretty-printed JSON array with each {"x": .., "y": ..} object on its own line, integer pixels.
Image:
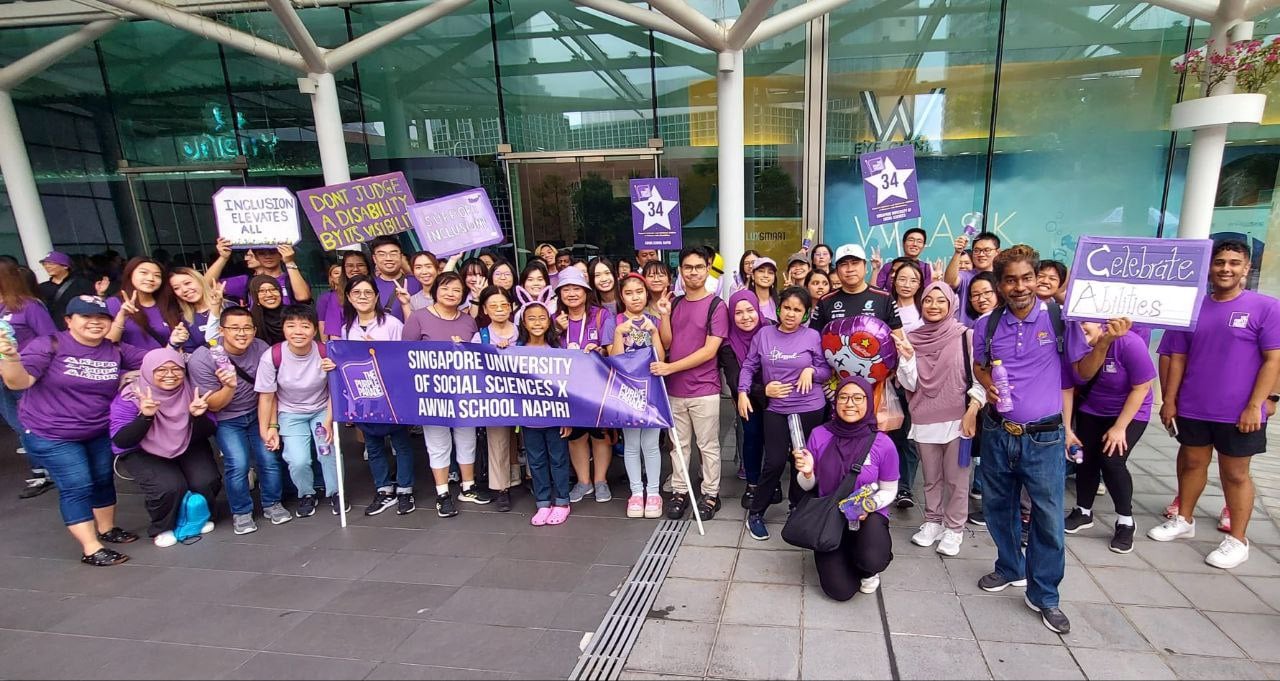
[{"x": 934, "y": 433}]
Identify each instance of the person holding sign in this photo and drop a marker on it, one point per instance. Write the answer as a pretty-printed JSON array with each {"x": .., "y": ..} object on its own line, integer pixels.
[
  {"x": 637, "y": 330},
  {"x": 495, "y": 306},
  {"x": 585, "y": 326},
  {"x": 1222, "y": 378},
  {"x": 913, "y": 242},
  {"x": 986, "y": 246},
  {"x": 276, "y": 262}
]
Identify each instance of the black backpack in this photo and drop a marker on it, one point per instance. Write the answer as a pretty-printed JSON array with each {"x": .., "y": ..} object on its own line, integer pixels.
[{"x": 1055, "y": 318}]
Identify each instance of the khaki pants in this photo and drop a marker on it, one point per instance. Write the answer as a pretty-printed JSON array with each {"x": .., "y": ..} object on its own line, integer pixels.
[
  {"x": 698, "y": 417},
  {"x": 501, "y": 445}
]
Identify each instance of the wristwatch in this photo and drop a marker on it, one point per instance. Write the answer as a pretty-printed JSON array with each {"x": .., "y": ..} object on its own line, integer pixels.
[{"x": 291, "y": 266}]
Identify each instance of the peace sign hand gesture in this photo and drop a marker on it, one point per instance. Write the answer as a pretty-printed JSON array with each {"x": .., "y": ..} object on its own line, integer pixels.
[
  {"x": 402, "y": 293},
  {"x": 216, "y": 295},
  {"x": 876, "y": 261},
  {"x": 198, "y": 405},
  {"x": 101, "y": 286},
  {"x": 663, "y": 305},
  {"x": 130, "y": 305},
  {"x": 905, "y": 349},
  {"x": 147, "y": 405}
]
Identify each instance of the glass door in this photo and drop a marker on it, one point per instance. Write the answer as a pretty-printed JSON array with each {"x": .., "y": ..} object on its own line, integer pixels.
[
  {"x": 175, "y": 211},
  {"x": 578, "y": 200}
]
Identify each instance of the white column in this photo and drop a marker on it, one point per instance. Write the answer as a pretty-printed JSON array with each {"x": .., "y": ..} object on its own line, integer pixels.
[
  {"x": 21, "y": 187},
  {"x": 730, "y": 103},
  {"x": 329, "y": 135}
]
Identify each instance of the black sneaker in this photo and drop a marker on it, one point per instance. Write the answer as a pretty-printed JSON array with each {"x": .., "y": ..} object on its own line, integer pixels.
[
  {"x": 381, "y": 502},
  {"x": 1077, "y": 520},
  {"x": 1053, "y": 618},
  {"x": 993, "y": 582},
  {"x": 904, "y": 499},
  {"x": 306, "y": 506},
  {"x": 975, "y": 493},
  {"x": 776, "y": 497},
  {"x": 976, "y": 518},
  {"x": 476, "y": 495},
  {"x": 445, "y": 507},
  {"x": 1122, "y": 541},
  {"x": 35, "y": 487},
  {"x": 504, "y": 501},
  {"x": 405, "y": 504},
  {"x": 756, "y": 526},
  {"x": 337, "y": 510},
  {"x": 748, "y": 496},
  {"x": 707, "y": 509},
  {"x": 677, "y": 506}
]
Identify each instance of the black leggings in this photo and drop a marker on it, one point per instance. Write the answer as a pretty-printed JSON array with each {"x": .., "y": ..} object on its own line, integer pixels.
[
  {"x": 777, "y": 452},
  {"x": 165, "y": 482},
  {"x": 1113, "y": 470},
  {"x": 861, "y": 554}
]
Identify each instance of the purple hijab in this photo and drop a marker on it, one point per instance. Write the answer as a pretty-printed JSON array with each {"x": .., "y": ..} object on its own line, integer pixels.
[
  {"x": 170, "y": 431},
  {"x": 850, "y": 442},
  {"x": 740, "y": 340}
]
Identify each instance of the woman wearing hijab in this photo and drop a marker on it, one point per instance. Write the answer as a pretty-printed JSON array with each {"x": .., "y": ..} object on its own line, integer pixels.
[
  {"x": 267, "y": 308},
  {"x": 160, "y": 430},
  {"x": 849, "y": 442},
  {"x": 745, "y": 321},
  {"x": 944, "y": 399}
]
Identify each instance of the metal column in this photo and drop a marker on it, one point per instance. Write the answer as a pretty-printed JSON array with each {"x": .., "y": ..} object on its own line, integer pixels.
[
  {"x": 730, "y": 103},
  {"x": 21, "y": 187}
]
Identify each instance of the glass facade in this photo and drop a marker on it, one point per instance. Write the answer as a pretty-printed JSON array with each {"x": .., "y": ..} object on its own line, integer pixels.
[{"x": 1050, "y": 118}]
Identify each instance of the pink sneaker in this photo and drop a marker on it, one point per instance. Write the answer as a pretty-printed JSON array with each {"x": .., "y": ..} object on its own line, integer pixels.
[
  {"x": 558, "y": 515},
  {"x": 540, "y": 518},
  {"x": 653, "y": 506},
  {"x": 1224, "y": 520},
  {"x": 635, "y": 506}
]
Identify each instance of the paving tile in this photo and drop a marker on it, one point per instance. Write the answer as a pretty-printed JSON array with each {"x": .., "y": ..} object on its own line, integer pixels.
[
  {"x": 581, "y": 612},
  {"x": 109, "y": 582},
  {"x": 700, "y": 562},
  {"x": 965, "y": 573},
  {"x": 1211, "y": 668},
  {"x": 459, "y": 644},
  {"x": 38, "y": 610},
  {"x": 1029, "y": 661},
  {"x": 417, "y": 569},
  {"x": 917, "y": 574},
  {"x": 932, "y": 614},
  {"x": 191, "y": 584},
  {"x": 620, "y": 552},
  {"x": 42, "y": 574},
  {"x": 396, "y": 670},
  {"x": 492, "y": 605},
  {"x": 719, "y": 533},
  {"x": 1004, "y": 620},
  {"x": 1095, "y": 551},
  {"x": 528, "y": 574},
  {"x": 1256, "y": 634},
  {"x": 338, "y": 563},
  {"x": 390, "y": 599},
  {"x": 282, "y": 666},
  {"x": 30, "y": 655},
  {"x": 348, "y": 636},
  {"x": 558, "y": 549},
  {"x": 226, "y": 626},
  {"x": 1079, "y": 585},
  {"x": 773, "y": 567},
  {"x": 464, "y": 544},
  {"x": 1271, "y": 669},
  {"x": 1138, "y": 587},
  {"x": 287, "y": 592},
  {"x": 1175, "y": 556},
  {"x": 1220, "y": 592},
  {"x": 139, "y": 660},
  {"x": 648, "y": 676},
  {"x": 1181, "y": 631},
  {"x": 827, "y": 655},
  {"x": 671, "y": 647},
  {"x": 361, "y": 538},
  {"x": 746, "y": 652},
  {"x": 928, "y": 657},
  {"x": 1098, "y": 625},
  {"x": 772, "y": 604},
  {"x": 692, "y": 600},
  {"x": 1120, "y": 664},
  {"x": 1266, "y": 588},
  {"x": 773, "y": 543},
  {"x": 860, "y": 613},
  {"x": 116, "y": 618},
  {"x": 602, "y": 580},
  {"x": 1259, "y": 564}
]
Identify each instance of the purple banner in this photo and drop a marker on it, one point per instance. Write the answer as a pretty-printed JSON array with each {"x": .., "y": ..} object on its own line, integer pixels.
[
  {"x": 434, "y": 383},
  {"x": 655, "y": 214},
  {"x": 456, "y": 223},
  {"x": 1155, "y": 282},
  {"x": 358, "y": 211},
  {"x": 889, "y": 181}
]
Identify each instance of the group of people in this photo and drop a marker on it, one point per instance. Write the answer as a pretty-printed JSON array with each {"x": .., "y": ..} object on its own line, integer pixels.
[{"x": 996, "y": 390}]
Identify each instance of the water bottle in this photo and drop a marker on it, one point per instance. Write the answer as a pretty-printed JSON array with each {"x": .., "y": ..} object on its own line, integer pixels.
[
  {"x": 966, "y": 452},
  {"x": 797, "y": 433},
  {"x": 322, "y": 440},
  {"x": 6, "y": 330},
  {"x": 1077, "y": 453},
  {"x": 219, "y": 354},
  {"x": 1000, "y": 377},
  {"x": 808, "y": 240},
  {"x": 971, "y": 222}
]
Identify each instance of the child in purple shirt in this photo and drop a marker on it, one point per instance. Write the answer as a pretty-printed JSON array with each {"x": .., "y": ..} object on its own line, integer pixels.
[{"x": 637, "y": 331}]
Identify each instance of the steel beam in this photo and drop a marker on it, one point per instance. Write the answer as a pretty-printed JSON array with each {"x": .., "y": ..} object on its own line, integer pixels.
[
  {"x": 341, "y": 57},
  {"x": 19, "y": 71},
  {"x": 711, "y": 33},
  {"x": 747, "y": 22},
  {"x": 301, "y": 38},
  {"x": 642, "y": 17},
  {"x": 800, "y": 14}
]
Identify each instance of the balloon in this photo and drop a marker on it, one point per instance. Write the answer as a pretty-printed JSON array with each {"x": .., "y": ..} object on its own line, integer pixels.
[{"x": 859, "y": 346}]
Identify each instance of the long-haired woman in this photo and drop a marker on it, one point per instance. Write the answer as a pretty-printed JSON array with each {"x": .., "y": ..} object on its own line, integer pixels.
[{"x": 146, "y": 314}]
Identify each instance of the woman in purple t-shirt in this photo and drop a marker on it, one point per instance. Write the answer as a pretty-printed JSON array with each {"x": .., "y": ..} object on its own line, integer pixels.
[
  {"x": 847, "y": 443},
  {"x": 764, "y": 283},
  {"x": 585, "y": 326},
  {"x": 200, "y": 305},
  {"x": 27, "y": 319},
  {"x": 146, "y": 313},
  {"x": 329, "y": 306},
  {"x": 70, "y": 379}
]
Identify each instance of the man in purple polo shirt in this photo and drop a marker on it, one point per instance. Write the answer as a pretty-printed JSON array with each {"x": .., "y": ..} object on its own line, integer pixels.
[
  {"x": 388, "y": 260},
  {"x": 1222, "y": 379},
  {"x": 1025, "y": 447},
  {"x": 986, "y": 246}
]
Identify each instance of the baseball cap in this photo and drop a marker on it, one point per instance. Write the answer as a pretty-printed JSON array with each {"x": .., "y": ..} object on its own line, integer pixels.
[
  {"x": 572, "y": 277},
  {"x": 850, "y": 251},
  {"x": 798, "y": 256},
  {"x": 87, "y": 306},
  {"x": 58, "y": 258},
  {"x": 763, "y": 261}
]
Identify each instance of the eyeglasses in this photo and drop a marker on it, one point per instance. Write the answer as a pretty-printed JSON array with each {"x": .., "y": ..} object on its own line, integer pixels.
[
  {"x": 977, "y": 295},
  {"x": 498, "y": 306},
  {"x": 268, "y": 291},
  {"x": 694, "y": 268},
  {"x": 851, "y": 399},
  {"x": 363, "y": 294},
  {"x": 170, "y": 371},
  {"x": 238, "y": 329},
  {"x": 984, "y": 251}
]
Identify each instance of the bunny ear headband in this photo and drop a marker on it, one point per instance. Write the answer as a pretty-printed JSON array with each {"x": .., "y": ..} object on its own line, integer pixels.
[{"x": 546, "y": 299}]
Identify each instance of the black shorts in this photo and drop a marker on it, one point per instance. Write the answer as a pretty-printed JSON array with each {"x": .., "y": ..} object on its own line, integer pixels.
[
  {"x": 595, "y": 433},
  {"x": 1224, "y": 437}
]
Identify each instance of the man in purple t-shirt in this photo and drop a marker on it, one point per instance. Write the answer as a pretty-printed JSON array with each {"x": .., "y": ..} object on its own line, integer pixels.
[
  {"x": 986, "y": 246},
  {"x": 1222, "y": 379},
  {"x": 275, "y": 262},
  {"x": 388, "y": 260},
  {"x": 1023, "y": 447},
  {"x": 692, "y": 329},
  {"x": 913, "y": 242}
]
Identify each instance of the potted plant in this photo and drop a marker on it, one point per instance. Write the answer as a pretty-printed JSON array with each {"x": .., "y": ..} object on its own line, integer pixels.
[{"x": 1253, "y": 63}]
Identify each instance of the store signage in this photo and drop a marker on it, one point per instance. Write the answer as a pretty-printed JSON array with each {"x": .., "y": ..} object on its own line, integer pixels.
[
  {"x": 655, "y": 213},
  {"x": 456, "y": 223},
  {"x": 889, "y": 183},
  {"x": 1154, "y": 282},
  {"x": 256, "y": 216},
  {"x": 358, "y": 211}
]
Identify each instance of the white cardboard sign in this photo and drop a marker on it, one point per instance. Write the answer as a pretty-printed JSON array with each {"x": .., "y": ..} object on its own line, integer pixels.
[{"x": 256, "y": 216}]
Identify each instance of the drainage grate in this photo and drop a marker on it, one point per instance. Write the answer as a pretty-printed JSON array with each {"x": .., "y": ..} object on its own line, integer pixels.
[{"x": 609, "y": 647}]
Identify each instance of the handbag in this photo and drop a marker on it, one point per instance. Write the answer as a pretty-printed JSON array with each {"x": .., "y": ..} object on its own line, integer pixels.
[{"x": 817, "y": 523}]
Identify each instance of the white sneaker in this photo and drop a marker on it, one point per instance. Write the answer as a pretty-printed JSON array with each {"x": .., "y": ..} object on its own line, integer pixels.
[
  {"x": 165, "y": 539},
  {"x": 1230, "y": 553},
  {"x": 928, "y": 534},
  {"x": 207, "y": 527},
  {"x": 950, "y": 544},
  {"x": 870, "y": 584},
  {"x": 1177, "y": 528}
]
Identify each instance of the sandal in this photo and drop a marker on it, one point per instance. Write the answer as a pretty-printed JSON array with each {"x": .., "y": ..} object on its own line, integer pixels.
[
  {"x": 118, "y": 535},
  {"x": 104, "y": 557},
  {"x": 707, "y": 509}
]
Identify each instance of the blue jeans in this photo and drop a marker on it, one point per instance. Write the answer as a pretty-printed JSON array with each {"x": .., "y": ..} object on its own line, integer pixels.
[
  {"x": 9, "y": 412},
  {"x": 548, "y": 459},
  {"x": 401, "y": 447},
  {"x": 643, "y": 459},
  {"x": 297, "y": 433},
  {"x": 241, "y": 448},
  {"x": 1035, "y": 462},
  {"x": 81, "y": 470}
]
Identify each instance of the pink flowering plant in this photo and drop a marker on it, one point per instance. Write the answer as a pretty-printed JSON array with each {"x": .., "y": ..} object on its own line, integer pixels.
[{"x": 1254, "y": 63}]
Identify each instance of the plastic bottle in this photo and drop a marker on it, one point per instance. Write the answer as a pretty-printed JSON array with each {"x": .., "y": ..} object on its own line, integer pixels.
[
  {"x": 971, "y": 222},
  {"x": 219, "y": 354},
  {"x": 322, "y": 440},
  {"x": 1077, "y": 453},
  {"x": 797, "y": 433},
  {"x": 6, "y": 329},
  {"x": 1000, "y": 377},
  {"x": 808, "y": 240}
]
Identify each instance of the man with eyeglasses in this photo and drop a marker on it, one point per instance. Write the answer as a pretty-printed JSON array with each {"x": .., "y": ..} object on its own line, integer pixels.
[
  {"x": 277, "y": 262},
  {"x": 235, "y": 402},
  {"x": 388, "y": 260},
  {"x": 986, "y": 246},
  {"x": 913, "y": 243}
]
